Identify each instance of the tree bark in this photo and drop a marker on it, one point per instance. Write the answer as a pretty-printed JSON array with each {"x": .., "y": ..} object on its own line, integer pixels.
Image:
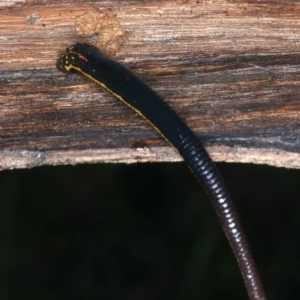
[{"x": 230, "y": 69}]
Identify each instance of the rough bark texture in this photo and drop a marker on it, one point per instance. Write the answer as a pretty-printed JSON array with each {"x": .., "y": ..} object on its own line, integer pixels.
[{"x": 230, "y": 69}]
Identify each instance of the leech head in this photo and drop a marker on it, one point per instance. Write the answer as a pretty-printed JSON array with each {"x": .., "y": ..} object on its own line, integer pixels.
[
  {"x": 61, "y": 66},
  {"x": 66, "y": 62}
]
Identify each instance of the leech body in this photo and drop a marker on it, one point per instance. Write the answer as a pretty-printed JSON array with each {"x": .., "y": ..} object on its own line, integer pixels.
[{"x": 131, "y": 90}]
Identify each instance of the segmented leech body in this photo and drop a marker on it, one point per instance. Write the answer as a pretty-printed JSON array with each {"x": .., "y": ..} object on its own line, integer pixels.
[{"x": 131, "y": 90}]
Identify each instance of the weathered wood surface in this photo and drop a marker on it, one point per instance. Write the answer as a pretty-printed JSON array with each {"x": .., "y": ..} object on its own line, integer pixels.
[{"x": 230, "y": 69}]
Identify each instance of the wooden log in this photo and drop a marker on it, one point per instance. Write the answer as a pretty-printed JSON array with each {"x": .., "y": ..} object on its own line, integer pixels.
[{"x": 230, "y": 69}]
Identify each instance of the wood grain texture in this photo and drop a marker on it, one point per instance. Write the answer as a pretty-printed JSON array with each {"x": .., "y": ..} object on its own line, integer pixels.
[{"x": 230, "y": 69}]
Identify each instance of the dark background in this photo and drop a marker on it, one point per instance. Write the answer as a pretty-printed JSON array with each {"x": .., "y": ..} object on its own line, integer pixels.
[{"x": 143, "y": 231}]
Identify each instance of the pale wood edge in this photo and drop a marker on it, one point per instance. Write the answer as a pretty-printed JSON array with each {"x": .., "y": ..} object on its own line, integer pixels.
[{"x": 29, "y": 159}]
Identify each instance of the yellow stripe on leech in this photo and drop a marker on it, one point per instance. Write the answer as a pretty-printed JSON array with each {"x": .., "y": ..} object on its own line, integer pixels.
[
  {"x": 69, "y": 67},
  {"x": 104, "y": 86}
]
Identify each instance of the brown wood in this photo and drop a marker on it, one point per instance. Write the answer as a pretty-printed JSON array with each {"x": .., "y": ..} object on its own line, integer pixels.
[{"x": 231, "y": 70}]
